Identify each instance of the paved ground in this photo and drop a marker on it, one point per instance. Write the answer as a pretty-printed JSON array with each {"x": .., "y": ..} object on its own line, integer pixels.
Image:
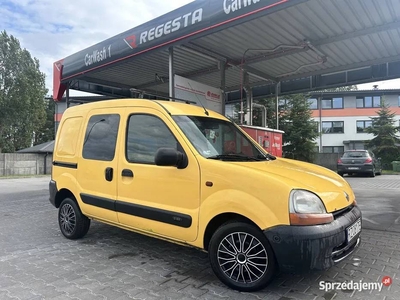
[
  {"x": 379, "y": 199},
  {"x": 36, "y": 262}
]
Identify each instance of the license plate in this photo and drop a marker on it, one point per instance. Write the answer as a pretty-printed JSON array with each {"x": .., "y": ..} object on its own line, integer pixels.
[
  {"x": 353, "y": 230},
  {"x": 353, "y": 168}
]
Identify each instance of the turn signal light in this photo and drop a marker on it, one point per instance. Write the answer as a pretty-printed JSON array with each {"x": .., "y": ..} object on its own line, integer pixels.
[{"x": 310, "y": 219}]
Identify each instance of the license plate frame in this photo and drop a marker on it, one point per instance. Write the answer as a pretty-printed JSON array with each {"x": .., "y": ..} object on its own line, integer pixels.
[
  {"x": 353, "y": 168},
  {"x": 353, "y": 230}
]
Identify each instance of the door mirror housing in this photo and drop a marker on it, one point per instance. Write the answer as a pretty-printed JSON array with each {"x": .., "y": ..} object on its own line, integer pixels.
[{"x": 170, "y": 157}]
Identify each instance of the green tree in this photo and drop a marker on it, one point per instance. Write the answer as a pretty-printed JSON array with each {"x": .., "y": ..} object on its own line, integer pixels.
[
  {"x": 299, "y": 127},
  {"x": 46, "y": 133},
  {"x": 385, "y": 142},
  {"x": 22, "y": 93}
]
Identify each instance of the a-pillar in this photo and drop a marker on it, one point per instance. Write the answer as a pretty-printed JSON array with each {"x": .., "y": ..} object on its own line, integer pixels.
[{"x": 171, "y": 74}]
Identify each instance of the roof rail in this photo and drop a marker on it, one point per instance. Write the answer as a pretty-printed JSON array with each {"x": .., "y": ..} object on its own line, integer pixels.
[{"x": 161, "y": 97}]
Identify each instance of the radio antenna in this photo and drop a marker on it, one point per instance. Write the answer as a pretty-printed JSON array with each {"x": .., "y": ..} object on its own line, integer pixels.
[{"x": 201, "y": 103}]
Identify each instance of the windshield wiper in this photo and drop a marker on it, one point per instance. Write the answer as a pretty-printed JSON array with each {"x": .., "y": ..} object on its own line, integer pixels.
[
  {"x": 234, "y": 157},
  {"x": 267, "y": 156}
]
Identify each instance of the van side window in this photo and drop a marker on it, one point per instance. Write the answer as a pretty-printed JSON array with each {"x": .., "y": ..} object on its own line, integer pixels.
[
  {"x": 101, "y": 137},
  {"x": 146, "y": 134}
]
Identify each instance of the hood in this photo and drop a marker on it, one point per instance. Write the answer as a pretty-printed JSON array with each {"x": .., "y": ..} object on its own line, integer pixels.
[{"x": 328, "y": 185}]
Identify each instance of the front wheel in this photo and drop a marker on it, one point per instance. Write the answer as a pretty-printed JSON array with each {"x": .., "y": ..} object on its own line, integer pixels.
[
  {"x": 241, "y": 257},
  {"x": 73, "y": 224}
]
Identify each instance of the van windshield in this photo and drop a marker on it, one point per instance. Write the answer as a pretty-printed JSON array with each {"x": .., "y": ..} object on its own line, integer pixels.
[{"x": 218, "y": 139}]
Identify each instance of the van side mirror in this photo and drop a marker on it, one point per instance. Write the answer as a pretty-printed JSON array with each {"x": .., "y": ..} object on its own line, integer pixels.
[{"x": 170, "y": 157}]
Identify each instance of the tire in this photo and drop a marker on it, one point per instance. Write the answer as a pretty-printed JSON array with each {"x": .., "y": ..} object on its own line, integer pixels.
[
  {"x": 341, "y": 174},
  {"x": 237, "y": 266},
  {"x": 372, "y": 174},
  {"x": 73, "y": 224},
  {"x": 379, "y": 173}
]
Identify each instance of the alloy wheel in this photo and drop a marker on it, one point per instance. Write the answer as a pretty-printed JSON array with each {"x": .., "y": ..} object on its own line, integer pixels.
[
  {"x": 68, "y": 218},
  {"x": 242, "y": 257}
]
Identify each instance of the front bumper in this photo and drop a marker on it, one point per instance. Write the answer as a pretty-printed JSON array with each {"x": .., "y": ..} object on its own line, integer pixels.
[{"x": 319, "y": 247}]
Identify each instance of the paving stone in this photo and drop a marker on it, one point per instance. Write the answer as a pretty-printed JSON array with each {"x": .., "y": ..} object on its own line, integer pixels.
[{"x": 37, "y": 262}]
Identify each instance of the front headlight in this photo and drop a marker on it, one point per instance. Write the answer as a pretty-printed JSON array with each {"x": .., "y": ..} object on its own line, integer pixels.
[{"x": 306, "y": 208}]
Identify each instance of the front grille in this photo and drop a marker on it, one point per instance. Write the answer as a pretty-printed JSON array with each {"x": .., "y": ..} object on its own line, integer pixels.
[{"x": 342, "y": 211}]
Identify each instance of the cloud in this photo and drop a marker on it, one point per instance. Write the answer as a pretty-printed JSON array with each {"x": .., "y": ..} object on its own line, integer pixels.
[{"x": 51, "y": 30}]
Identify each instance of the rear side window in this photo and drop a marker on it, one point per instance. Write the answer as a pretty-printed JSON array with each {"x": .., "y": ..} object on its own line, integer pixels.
[
  {"x": 146, "y": 134},
  {"x": 67, "y": 137},
  {"x": 101, "y": 137}
]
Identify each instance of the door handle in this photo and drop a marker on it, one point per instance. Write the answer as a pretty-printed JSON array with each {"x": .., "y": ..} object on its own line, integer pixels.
[
  {"x": 109, "y": 174},
  {"x": 127, "y": 173}
]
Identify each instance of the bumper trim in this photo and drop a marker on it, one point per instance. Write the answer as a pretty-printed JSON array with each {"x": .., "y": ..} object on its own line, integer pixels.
[
  {"x": 53, "y": 192},
  {"x": 345, "y": 252}
]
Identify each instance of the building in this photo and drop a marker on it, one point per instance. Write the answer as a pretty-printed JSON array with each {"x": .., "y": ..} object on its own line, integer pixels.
[{"x": 343, "y": 116}]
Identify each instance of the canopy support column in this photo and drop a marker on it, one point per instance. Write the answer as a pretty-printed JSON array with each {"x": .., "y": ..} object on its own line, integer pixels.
[
  {"x": 277, "y": 88},
  {"x": 171, "y": 74},
  {"x": 67, "y": 95},
  {"x": 223, "y": 85},
  {"x": 249, "y": 99}
]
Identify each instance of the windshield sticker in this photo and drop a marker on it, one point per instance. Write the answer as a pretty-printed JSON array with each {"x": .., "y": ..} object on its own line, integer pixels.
[{"x": 212, "y": 134}]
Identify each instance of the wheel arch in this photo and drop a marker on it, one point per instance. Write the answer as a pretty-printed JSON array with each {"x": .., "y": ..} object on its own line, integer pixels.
[
  {"x": 220, "y": 219},
  {"x": 62, "y": 194}
]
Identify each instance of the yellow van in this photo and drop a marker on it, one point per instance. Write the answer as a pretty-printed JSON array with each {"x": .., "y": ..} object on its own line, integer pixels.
[{"x": 178, "y": 172}]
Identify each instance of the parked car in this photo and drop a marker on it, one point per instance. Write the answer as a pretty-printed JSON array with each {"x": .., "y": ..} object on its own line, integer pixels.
[
  {"x": 181, "y": 173},
  {"x": 359, "y": 162}
]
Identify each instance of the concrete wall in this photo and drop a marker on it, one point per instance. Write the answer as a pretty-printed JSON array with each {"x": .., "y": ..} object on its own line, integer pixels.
[
  {"x": 24, "y": 164},
  {"x": 327, "y": 160}
]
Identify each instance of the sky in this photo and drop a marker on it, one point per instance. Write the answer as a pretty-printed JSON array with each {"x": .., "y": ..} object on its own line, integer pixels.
[{"x": 51, "y": 30}]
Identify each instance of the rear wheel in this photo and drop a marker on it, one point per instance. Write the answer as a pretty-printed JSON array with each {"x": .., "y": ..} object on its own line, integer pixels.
[
  {"x": 73, "y": 224},
  {"x": 341, "y": 174},
  {"x": 241, "y": 257},
  {"x": 372, "y": 174}
]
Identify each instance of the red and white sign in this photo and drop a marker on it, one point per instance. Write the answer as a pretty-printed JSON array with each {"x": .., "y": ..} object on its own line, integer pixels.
[{"x": 191, "y": 90}]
